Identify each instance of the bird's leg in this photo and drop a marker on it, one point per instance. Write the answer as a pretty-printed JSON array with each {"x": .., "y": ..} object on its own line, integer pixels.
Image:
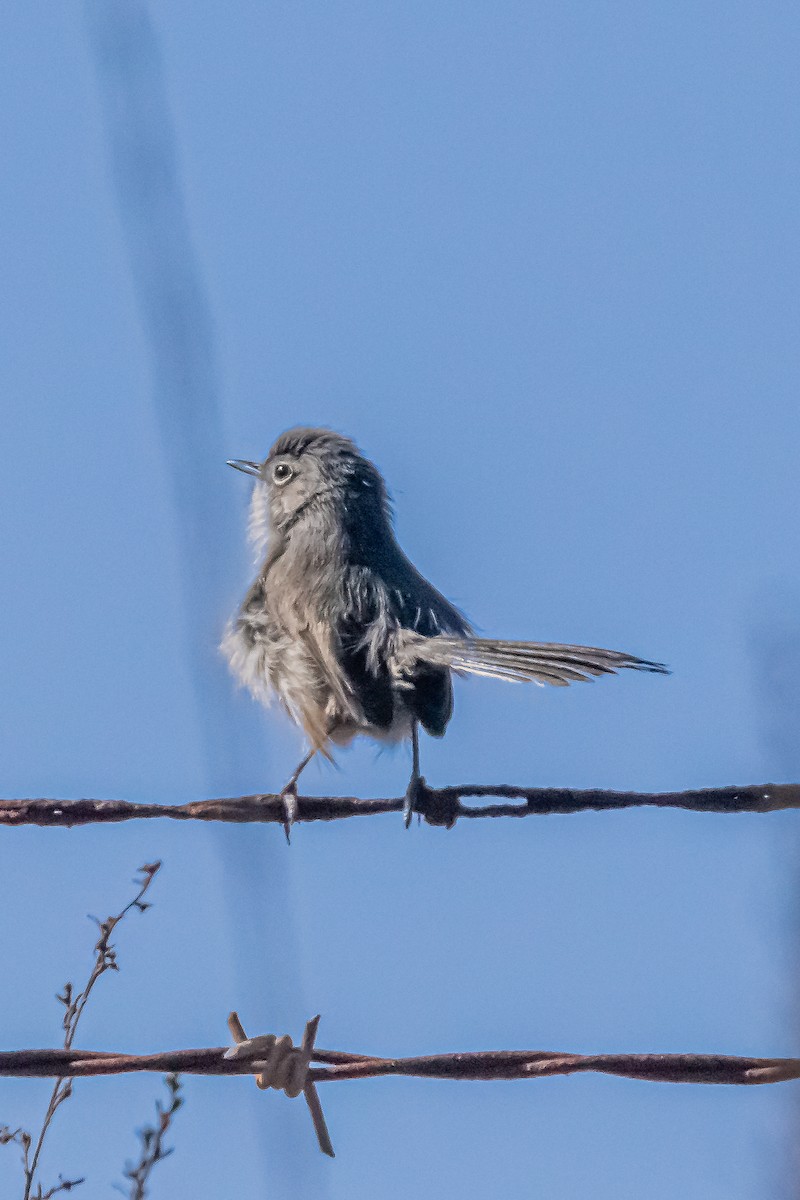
[
  {"x": 416, "y": 783},
  {"x": 288, "y": 795}
]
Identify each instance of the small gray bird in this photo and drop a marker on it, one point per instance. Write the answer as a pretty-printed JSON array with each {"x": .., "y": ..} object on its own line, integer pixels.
[{"x": 343, "y": 628}]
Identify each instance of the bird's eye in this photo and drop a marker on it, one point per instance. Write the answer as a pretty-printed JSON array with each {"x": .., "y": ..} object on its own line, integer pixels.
[{"x": 282, "y": 472}]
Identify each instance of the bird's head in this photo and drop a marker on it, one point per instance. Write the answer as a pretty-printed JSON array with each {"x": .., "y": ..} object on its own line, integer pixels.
[{"x": 306, "y": 466}]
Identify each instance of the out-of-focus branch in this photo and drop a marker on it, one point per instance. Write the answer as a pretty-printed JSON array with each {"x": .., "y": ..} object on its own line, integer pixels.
[
  {"x": 439, "y": 806},
  {"x": 152, "y": 1139},
  {"x": 478, "y": 1065},
  {"x": 105, "y": 959}
]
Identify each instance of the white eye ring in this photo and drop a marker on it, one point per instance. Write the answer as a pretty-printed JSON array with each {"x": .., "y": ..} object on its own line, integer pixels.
[{"x": 282, "y": 473}]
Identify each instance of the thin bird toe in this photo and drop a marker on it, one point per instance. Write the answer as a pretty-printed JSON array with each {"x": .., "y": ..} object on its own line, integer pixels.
[
  {"x": 411, "y": 801},
  {"x": 289, "y": 800}
]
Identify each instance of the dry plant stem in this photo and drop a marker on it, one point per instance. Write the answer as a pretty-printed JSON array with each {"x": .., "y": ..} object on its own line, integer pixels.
[
  {"x": 152, "y": 1138},
  {"x": 439, "y": 806},
  {"x": 476, "y": 1065},
  {"x": 23, "y": 1139},
  {"x": 63, "y": 1185},
  {"x": 105, "y": 960}
]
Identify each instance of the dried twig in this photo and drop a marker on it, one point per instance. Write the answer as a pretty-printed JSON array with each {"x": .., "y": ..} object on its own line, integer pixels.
[
  {"x": 23, "y": 1139},
  {"x": 74, "y": 1005},
  {"x": 152, "y": 1138},
  {"x": 438, "y": 806}
]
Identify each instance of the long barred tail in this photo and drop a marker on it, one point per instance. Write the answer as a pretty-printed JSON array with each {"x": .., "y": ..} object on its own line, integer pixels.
[{"x": 538, "y": 662}]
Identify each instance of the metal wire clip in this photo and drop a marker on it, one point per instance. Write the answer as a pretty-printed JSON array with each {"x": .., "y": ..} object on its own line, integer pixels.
[{"x": 281, "y": 1065}]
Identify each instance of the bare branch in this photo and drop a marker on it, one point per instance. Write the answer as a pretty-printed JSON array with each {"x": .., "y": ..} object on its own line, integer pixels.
[
  {"x": 74, "y": 1004},
  {"x": 475, "y": 1065},
  {"x": 63, "y": 1185},
  {"x": 23, "y": 1139},
  {"x": 438, "y": 806},
  {"x": 152, "y": 1138}
]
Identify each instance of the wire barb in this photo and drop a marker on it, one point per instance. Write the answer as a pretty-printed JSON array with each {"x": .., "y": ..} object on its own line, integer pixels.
[{"x": 281, "y": 1065}]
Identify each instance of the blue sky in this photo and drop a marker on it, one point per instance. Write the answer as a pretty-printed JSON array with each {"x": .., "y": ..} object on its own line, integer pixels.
[{"x": 540, "y": 260}]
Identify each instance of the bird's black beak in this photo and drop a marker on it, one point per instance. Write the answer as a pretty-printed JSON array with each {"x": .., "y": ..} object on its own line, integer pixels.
[{"x": 242, "y": 464}]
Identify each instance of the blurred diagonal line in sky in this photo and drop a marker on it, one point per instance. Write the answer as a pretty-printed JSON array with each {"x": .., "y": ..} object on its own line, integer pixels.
[
  {"x": 174, "y": 308},
  {"x": 179, "y": 328},
  {"x": 775, "y": 648},
  {"x": 775, "y": 659}
]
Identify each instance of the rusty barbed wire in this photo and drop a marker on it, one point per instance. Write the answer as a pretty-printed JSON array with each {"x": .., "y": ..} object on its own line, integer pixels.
[
  {"x": 437, "y": 806},
  {"x": 275, "y": 1062},
  {"x": 470, "y": 1065}
]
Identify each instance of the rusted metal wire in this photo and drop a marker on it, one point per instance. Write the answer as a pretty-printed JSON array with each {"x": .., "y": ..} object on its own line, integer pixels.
[
  {"x": 477, "y": 1065},
  {"x": 438, "y": 806}
]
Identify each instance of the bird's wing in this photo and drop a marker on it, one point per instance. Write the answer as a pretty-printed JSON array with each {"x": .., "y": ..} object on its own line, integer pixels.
[
  {"x": 538, "y": 662},
  {"x": 322, "y": 696}
]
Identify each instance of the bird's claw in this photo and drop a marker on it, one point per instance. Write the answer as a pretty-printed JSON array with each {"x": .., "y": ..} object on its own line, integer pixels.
[
  {"x": 288, "y": 799},
  {"x": 411, "y": 802}
]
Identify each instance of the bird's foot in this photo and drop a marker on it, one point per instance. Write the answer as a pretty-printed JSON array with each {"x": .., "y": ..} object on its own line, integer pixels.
[
  {"x": 288, "y": 797},
  {"x": 415, "y": 792}
]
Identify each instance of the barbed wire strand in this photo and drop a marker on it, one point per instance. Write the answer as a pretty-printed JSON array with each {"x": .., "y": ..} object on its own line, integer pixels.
[
  {"x": 482, "y": 1065},
  {"x": 277, "y": 1063},
  {"x": 438, "y": 806},
  {"x": 472, "y": 1065}
]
